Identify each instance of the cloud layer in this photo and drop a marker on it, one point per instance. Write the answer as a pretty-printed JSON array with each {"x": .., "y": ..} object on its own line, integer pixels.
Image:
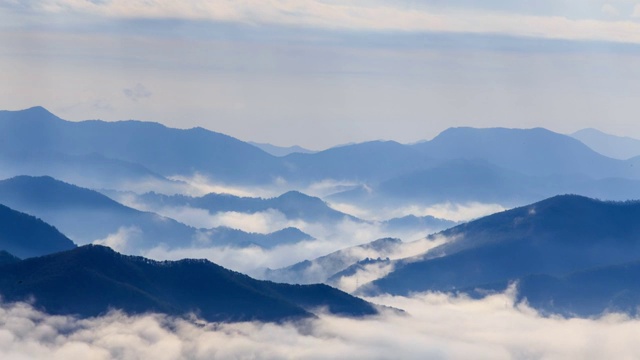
[
  {"x": 368, "y": 16},
  {"x": 435, "y": 326}
]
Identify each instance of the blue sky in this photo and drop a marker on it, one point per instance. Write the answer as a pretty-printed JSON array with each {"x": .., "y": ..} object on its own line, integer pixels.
[{"x": 320, "y": 73}]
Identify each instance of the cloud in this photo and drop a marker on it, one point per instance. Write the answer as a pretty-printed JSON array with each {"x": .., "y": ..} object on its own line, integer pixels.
[
  {"x": 435, "y": 326},
  {"x": 199, "y": 184},
  {"x": 447, "y": 210},
  {"x": 254, "y": 260},
  {"x": 379, "y": 16},
  {"x": 610, "y": 10},
  {"x": 121, "y": 240},
  {"x": 137, "y": 92}
]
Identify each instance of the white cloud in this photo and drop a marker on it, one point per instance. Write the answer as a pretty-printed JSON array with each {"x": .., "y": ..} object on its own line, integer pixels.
[
  {"x": 121, "y": 240},
  {"x": 254, "y": 260},
  {"x": 636, "y": 11},
  {"x": 435, "y": 326},
  {"x": 357, "y": 16},
  {"x": 448, "y": 210},
  {"x": 199, "y": 184}
]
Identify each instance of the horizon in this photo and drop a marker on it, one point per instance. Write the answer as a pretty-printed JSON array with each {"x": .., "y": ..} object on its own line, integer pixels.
[{"x": 327, "y": 148}]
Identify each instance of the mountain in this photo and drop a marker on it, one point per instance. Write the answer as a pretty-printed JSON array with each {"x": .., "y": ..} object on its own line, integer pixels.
[
  {"x": 320, "y": 269},
  {"x": 461, "y": 180},
  {"x": 369, "y": 161},
  {"x": 91, "y": 280},
  {"x": 557, "y": 236},
  {"x": 585, "y": 293},
  {"x": 412, "y": 222},
  {"x": 163, "y": 150},
  {"x": 617, "y": 147},
  {"x": 347, "y": 267},
  {"x": 87, "y": 216},
  {"x": 168, "y": 152},
  {"x": 293, "y": 204},
  {"x": 468, "y": 181},
  {"x": 281, "y": 150},
  {"x": 225, "y": 236},
  {"x": 25, "y": 236},
  {"x": 91, "y": 170},
  {"x": 7, "y": 258},
  {"x": 537, "y": 152}
]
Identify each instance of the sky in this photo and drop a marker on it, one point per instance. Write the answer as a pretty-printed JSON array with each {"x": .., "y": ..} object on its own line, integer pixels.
[{"x": 321, "y": 73}]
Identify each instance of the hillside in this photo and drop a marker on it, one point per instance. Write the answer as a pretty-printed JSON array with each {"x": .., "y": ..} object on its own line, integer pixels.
[{"x": 91, "y": 280}]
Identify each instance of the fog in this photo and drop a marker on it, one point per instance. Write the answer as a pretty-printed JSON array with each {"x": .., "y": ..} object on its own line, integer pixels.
[
  {"x": 253, "y": 260},
  {"x": 447, "y": 210},
  {"x": 435, "y": 326}
]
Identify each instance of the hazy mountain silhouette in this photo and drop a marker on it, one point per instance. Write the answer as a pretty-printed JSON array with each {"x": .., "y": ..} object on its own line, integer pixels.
[
  {"x": 465, "y": 181},
  {"x": 369, "y": 161},
  {"x": 293, "y": 204},
  {"x": 92, "y": 280},
  {"x": 26, "y": 236},
  {"x": 281, "y": 150},
  {"x": 617, "y": 147},
  {"x": 91, "y": 170},
  {"x": 412, "y": 223},
  {"x": 163, "y": 150},
  {"x": 462, "y": 181},
  {"x": 538, "y": 152},
  {"x": 86, "y": 215},
  {"x": 512, "y": 166},
  {"x": 556, "y": 236}
]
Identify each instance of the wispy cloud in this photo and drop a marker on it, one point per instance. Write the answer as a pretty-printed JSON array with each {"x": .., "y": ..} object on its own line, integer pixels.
[
  {"x": 447, "y": 210},
  {"x": 379, "y": 16},
  {"x": 137, "y": 92}
]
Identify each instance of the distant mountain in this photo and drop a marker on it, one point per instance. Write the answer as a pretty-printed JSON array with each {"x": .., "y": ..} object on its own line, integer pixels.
[
  {"x": 293, "y": 204},
  {"x": 91, "y": 170},
  {"x": 129, "y": 153},
  {"x": 617, "y": 147},
  {"x": 462, "y": 180},
  {"x": 537, "y": 152},
  {"x": 168, "y": 152},
  {"x": 163, "y": 150},
  {"x": 468, "y": 181},
  {"x": 557, "y": 236},
  {"x": 25, "y": 236},
  {"x": 369, "y": 161},
  {"x": 412, "y": 223},
  {"x": 281, "y": 150},
  {"x": 225, "y": 236},
  {"x": 91, "y": 280},
  {"x": 86, "y": 216}
]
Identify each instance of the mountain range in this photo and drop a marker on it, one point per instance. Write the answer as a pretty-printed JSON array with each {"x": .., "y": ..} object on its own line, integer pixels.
[
  {"x": 87, "y": 216},
  {"x": 555, "y": 237},
  {"x": 617, "y": 147},
  {"x": 507, "y": 161},
  {"x": 92, "y": 280}
]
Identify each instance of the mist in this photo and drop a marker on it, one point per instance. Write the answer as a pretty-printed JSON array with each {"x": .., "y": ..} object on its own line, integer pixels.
[
  {"x": 434, "y": 325},
  {"x": 447, "y": 210}
]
